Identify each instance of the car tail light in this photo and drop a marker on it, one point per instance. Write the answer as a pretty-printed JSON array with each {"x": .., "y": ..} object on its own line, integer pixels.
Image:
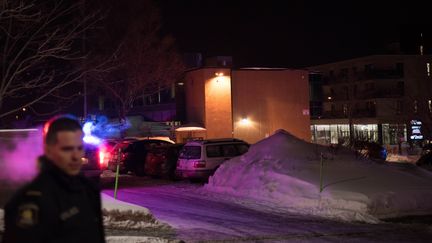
[
  {"x": 101, "y": 157},
  {"x": 199, "y": 164}
]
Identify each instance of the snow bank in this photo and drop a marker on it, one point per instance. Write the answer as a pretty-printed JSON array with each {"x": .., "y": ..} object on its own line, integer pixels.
[
  {"x": 123, "y": 215},
  {"x": 135, "y": 239},
  {"x": 283, "y": 172},
  {"x": 397, "y": 158}
]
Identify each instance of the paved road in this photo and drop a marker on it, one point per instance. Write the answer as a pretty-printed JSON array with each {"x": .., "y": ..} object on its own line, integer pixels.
[{"x": 199, "y": 217}]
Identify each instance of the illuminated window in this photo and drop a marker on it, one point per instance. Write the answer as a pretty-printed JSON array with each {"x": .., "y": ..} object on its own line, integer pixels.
[
  {"x": 428, "y": 69},
  {"x": 430, "y": 106},
  {"x": 421, "y": 49},
  {"x": 345, "y": 109}
]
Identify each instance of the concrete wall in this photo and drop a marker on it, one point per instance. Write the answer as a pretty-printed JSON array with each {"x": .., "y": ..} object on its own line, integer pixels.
[
  {"x": 208, "y": 101},
  {"x": 195, "y": 101},
  {"x": 270, "y": 100},
  {"x": 218, "y": 115}
]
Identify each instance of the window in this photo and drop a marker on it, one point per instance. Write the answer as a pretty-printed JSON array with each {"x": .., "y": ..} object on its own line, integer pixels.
[
  {"x": 400, "y": 87},
  {"x": 430, "y": 106},
  {"x": 229, "y": 150},
  {"x": 213, "y": 151},
  {"x": 398, "y": 107},
  {"x": 345, "y": 109},
  {"x": 428, "y": 71},
  {"x": 415, "y": 106},
  {"x": 370, "y": 105},
  {"x": 344, "y": 74},
  {"x": 346, "y": 92},
  {"x": 400, "y": 68},
  {"x": 369, "y": 86},
  {"x": 190, "y": 152}
]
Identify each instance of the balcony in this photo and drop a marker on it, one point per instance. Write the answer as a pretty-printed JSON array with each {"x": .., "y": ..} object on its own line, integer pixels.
[
  {"x": 357, "y": 113},
  {"x": 388, "y": 93},
  {"x": 364, "y": 95},
  {"x": 366, "y": 75},
  {"x": 380, "y": 74}
]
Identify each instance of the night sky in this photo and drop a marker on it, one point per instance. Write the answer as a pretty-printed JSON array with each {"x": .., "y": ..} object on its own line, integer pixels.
[{"x": 286, "y": 33}]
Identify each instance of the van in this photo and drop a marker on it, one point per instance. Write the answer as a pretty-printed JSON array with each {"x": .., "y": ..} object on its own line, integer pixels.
[{"x": 199, "y": 159}]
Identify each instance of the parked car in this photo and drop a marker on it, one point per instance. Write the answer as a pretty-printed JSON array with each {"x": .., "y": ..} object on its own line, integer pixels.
[
  {"x": 425, "y": 160},
  {"x": 371, "y": 150},
  {"x": 161, "y": 161},
  {"x": 199, "y": 159},
  {"x": 131, "y": 155}
]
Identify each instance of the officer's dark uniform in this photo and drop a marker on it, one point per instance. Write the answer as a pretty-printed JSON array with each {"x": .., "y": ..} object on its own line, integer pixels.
[{"x": 55, "y": 207}]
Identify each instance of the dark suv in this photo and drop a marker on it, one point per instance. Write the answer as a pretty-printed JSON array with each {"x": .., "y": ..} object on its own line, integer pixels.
[
  {"x": 131, "y": 155},
  {"x": 161, "y": 161}
]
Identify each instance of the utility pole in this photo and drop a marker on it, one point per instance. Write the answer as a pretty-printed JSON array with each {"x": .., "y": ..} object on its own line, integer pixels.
[{"x": 84, "y": 77}]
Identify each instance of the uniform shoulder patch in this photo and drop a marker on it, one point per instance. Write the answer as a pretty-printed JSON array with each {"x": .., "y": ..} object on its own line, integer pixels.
[
  {"x": 33, "y": 193},
  {"x": 27, "y": 215}
]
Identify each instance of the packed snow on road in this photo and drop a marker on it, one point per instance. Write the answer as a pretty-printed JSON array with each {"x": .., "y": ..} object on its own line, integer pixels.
[{"x": 282, "y": 173}]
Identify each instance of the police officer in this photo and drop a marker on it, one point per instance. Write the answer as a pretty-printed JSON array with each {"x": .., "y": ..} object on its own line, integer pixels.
[{"x": 59, "y": 205}]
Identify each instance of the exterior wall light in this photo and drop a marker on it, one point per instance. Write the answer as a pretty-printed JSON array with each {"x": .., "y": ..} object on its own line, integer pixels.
[{"x": 245, "y": 122}]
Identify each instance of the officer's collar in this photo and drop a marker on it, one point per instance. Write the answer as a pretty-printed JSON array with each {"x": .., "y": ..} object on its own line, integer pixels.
[{"x": 47, "y": 166}]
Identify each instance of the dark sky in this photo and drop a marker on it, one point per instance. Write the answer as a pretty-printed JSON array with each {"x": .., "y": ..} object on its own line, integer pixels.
[{"x": 284, "y": 33}]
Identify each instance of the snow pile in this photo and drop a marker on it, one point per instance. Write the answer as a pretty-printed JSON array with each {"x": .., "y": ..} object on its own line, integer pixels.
[
  {"x": 122, "y": 215},
  {"x": 135, "y": 239},
  {"x": 283, "y": 172},
  {"x": 398, "y": 158}
]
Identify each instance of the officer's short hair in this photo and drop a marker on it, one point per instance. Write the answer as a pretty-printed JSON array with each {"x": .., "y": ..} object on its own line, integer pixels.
[{"x": 59, "y": 124}]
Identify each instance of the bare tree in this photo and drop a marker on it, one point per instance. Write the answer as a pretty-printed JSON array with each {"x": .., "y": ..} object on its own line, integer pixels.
[
  {"x": 40, "y": 51},
  {"x": 146, "y": 62}
]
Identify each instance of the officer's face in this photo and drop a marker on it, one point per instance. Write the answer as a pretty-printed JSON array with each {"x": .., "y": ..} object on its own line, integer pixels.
[{"x": 67, "y": 152}]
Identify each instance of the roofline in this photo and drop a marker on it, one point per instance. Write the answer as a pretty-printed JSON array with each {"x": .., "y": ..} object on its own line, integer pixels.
[
  {"x": 365, "y": 57},
  {"x": 248, "y": 69}
]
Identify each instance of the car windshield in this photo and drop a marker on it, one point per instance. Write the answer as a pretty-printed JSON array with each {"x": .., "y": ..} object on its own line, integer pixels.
[{"x": 190, "y": 152}]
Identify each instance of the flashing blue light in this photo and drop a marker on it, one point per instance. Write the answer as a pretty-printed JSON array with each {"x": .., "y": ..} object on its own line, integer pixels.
[{"x": 88, "y": 137}]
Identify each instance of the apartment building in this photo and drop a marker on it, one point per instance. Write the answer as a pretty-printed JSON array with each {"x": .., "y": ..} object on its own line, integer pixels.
[{"x": 382, "y": 98}]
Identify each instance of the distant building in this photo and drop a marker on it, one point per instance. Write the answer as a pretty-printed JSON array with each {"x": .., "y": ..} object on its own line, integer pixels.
[
  {"x": 247, "y": 103},
  {"x": 384, "y": 97}
]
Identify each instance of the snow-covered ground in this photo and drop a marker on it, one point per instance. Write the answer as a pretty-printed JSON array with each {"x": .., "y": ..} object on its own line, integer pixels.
[
  {"x": 118, "y": 215},
  {"x": 402, "y": 158},
  {"x": 123, "y": 215},
  {"x": 282, "y": 172}
]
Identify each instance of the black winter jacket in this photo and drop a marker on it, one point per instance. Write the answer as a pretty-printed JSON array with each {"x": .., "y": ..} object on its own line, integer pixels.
[{"x": 55, "y": 207}]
